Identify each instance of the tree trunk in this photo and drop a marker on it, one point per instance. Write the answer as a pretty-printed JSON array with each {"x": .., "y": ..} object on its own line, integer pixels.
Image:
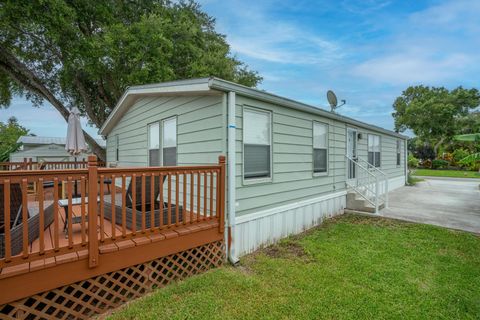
[
  {"x": 27, "y": 79},
  {"x": 95, "y": 147},
  {"x": 437, "y": 145}
]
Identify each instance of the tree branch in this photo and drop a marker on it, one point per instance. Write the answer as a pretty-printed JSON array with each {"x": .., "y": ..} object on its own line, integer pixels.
[{"x": 26, "y": 78}]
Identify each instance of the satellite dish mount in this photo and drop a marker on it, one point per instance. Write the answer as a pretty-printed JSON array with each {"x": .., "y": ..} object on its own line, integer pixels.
[{"x": 332, "y": 100}]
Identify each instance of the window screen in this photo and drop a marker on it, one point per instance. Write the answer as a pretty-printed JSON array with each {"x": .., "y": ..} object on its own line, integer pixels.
[
  {"x": 256, "y": 144},
  {"x": 374, "y": 150},
  {"x": 154, "y": 144},
  {"x": 320, "y": 147},
  {"x": 169, "y": 142},
  {"x": 399, "y": 152}
]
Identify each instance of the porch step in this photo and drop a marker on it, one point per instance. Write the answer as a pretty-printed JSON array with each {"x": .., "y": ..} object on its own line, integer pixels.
[{"x": 357, "y": 203}]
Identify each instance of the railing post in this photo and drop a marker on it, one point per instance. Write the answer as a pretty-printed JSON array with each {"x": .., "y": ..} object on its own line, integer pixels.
[
  {"x": 221, "y": 186},
  {"x": 376, "y": 193},
  {"x": 92, "y": 212}
]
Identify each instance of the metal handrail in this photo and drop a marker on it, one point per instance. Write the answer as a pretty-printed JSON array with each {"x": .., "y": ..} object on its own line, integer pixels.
[
  {"x": 365, "y": 196},
  {"x": 385, "y": 176},
  {"x": 371, "y": 174}
]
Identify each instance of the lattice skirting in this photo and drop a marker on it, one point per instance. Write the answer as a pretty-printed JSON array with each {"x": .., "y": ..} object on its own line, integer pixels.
[{"x": 86, "y": 298}]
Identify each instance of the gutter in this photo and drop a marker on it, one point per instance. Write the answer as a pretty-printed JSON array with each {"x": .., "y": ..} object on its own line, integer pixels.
[
  {"x": 231, "y": 185},
  {"x": 227, "y": 86}
]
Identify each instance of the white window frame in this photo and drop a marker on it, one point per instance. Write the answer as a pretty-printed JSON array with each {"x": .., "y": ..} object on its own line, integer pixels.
[
  {"x": 379, "y": 149},
  {"x": 248, "y": 181},
  {"x": 320, "y": 174},
  {"x": 159, "y": 141},
  {"x": 162, "y": 135}
]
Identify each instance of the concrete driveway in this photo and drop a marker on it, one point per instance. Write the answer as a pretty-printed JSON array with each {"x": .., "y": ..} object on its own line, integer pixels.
[{"x": 447, "y": 202}]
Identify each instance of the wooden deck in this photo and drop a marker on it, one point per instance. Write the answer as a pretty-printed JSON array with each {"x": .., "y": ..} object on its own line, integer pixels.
[
  {"x": 143, "y": 238},
  {"x": 96, "y": 247}
]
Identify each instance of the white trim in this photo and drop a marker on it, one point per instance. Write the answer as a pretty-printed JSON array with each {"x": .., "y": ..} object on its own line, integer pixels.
[
  {"x": 259, "y": 180},
  {"x": 131, "y": 94},
  {"x": 290, "y": 206},
  {"x": 327, "y": 148},
  {"x": 162, "y": 136}
]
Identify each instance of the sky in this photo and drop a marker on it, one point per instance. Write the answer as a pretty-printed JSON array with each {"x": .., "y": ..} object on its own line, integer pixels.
[{"x": 366, "y": 51}]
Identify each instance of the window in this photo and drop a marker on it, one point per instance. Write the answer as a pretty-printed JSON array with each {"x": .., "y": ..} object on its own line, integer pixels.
[
  {"x": 320, "y": 147},
  {"x": 169, "y": 142},
  {"x": 399, "y": 151},
  {"x": 374, "y": 150},
  {"x": 117, "y": 148},
  {"x": 256, "y": 144},
  {"x": 154, "y": 144}
]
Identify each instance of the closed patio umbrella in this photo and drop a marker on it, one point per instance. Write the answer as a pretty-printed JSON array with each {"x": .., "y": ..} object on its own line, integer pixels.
[{"x": 75, "y": 143}]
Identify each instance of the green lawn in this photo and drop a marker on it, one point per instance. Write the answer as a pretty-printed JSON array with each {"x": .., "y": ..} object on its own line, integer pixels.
[
  {"x": 352, "y": 267},
  {"x": 446, "y": 173}
]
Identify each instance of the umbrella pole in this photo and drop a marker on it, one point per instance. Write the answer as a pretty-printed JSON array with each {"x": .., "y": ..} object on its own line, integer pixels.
[{"x": 76, "y": 194}]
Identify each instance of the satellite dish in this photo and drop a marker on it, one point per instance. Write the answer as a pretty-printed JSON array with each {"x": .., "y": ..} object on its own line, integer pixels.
[{"x": 332, "y": 99}]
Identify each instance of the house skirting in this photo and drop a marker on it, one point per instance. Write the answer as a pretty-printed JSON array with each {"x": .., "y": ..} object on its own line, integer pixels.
[
  {"x": 396, "y": 182},
  {"x": 265, "y": 227}
]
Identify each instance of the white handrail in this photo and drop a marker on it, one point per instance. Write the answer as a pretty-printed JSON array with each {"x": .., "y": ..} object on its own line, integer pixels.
[
  {"x": 385, "y": 177},
  {"x": 363, "y": 185}
]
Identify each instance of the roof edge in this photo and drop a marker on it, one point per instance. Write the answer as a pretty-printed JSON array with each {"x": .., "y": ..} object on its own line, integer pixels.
[
  {"x": 180, "y": 86},
  {"x": 220, "y": 84},
  {"x": 213, "y": 83}
]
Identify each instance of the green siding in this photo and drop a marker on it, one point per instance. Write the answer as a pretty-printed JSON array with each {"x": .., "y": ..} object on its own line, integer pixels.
[
  {"x": 200, "y": 129},
  {"x": 388, "y": 152},
  {"x": 292, "y": 174},
  {"x": 202, "y": 135}
]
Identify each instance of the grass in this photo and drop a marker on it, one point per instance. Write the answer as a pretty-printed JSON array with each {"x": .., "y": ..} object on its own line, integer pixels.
[
  {"x": 352, "y": 267},
  {"x": 413, "y": 180},
  {"x": 446, "y": 173}
]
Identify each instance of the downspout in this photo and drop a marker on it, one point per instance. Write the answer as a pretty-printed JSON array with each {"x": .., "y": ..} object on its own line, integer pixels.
[
  {"x": 231, "y": 164},
  {"x": 406, "y": 162}
]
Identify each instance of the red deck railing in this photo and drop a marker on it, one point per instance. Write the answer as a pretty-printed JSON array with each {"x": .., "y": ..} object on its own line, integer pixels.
[
  {"x": 54, "y": 213},
  {"x": 28, "y": 164}
]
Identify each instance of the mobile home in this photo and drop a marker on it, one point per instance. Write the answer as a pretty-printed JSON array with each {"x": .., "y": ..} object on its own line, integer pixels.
[
  {"x": 290, "y": 165},
  {"x": 44, "y": 149}
]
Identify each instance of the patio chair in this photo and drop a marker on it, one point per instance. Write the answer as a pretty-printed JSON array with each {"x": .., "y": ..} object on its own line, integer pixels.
[
  {"x": 129, "y": 204},
  {"x": 16, "y": 223}
]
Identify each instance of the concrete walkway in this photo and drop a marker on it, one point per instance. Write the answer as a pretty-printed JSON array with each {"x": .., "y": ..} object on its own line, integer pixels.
[{"x": 447, "y": 202}]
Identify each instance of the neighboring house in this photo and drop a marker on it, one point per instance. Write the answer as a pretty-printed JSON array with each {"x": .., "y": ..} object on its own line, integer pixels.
[
  {"x": 289, "y": 169},
  {"x": 45, "y": 149}
]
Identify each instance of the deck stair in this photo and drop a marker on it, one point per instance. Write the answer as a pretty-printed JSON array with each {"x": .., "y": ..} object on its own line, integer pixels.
[{"x": 368, "y": 192}]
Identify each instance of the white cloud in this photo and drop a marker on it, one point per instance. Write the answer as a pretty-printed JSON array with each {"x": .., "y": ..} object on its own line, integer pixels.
[
  {"x": 408, "y": 68},
  {"x": 436, "y": 46},
  {"x": 254, "y": 33}
]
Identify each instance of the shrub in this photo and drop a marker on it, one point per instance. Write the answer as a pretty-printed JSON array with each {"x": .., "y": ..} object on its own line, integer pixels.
[
  {"x": 412, "y": 161},
  {"x": 427, "y": 163},
  {"x": 439, "y": 164},
  {"x": 458, "y": 155}
]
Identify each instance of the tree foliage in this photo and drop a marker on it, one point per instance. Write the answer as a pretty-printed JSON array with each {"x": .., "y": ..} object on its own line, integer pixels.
[
  {"x": 10, "y": 131},
  {"x": 436, "y": 114},
  {"x": 85, "y": 53}
]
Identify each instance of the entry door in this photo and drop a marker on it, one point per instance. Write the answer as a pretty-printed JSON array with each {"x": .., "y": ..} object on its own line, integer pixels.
[{"x": 351, "y": 152}]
